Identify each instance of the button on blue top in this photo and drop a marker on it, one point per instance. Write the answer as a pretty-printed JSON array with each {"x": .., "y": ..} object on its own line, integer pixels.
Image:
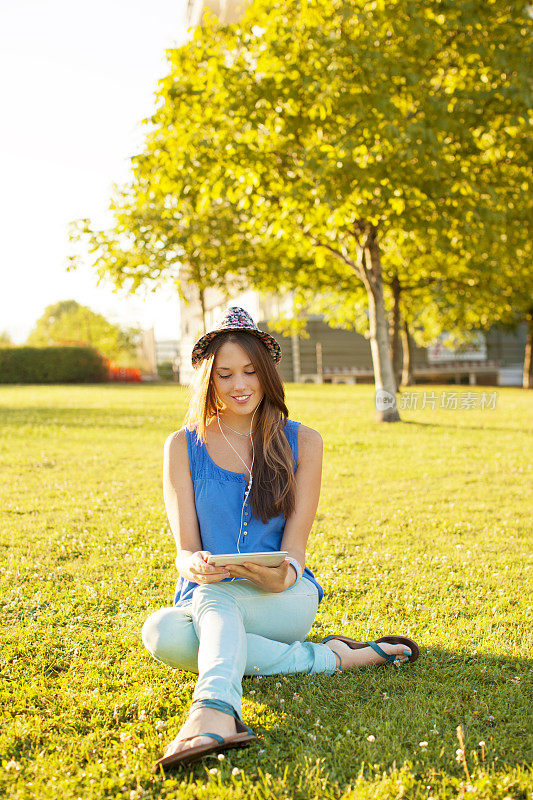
[{"x": 219, "y": 495}]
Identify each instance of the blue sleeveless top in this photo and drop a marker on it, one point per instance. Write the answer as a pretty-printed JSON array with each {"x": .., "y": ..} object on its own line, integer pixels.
[{"x": 219, "y": 496}]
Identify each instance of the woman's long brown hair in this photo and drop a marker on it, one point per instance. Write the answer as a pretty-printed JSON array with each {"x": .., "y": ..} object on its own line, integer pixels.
[{"x": 274, "y": 485}]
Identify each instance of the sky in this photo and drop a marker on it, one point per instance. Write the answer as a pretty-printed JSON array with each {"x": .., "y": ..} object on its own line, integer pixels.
[{"x": 77, "y": 80}]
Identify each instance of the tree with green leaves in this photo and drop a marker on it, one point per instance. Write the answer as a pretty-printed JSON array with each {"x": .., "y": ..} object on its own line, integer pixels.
[
  {"x": 68, "y": 323},
  {"x": 5, "y": 339},
  {"x": 151, "y": 243},
  {"x": 317, "y": 146}
]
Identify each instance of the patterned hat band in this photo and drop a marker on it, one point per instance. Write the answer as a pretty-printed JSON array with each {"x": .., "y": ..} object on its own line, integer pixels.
[{"x": 235, "y": 319}]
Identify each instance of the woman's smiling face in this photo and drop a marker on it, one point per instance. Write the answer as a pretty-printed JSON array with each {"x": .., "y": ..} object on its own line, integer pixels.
[{"x": 235, "y": 379}]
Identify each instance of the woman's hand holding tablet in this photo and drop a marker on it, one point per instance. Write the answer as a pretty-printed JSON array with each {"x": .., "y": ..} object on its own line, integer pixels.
[{"x": 268, "y": 559}]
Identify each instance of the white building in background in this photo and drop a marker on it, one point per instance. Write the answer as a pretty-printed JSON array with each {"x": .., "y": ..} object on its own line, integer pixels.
[
  {"x": 167, "y": 350},
  {"x": 227, "y": 11},
  {"x": 146, "y": 353}
]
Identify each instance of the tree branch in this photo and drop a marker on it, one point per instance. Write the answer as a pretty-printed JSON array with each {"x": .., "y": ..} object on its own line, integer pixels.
[{"x": 339, "y": 253}]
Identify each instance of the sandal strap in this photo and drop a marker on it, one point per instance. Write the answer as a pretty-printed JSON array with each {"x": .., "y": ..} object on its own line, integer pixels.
[
  {"x": 379, "y": 650},
  {"x": 218, "y": 705},
  {"x": 226, "y": 708},
  {"x": 338, "y": 668}
]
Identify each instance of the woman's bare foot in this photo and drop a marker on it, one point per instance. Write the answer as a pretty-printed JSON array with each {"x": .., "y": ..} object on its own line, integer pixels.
[
  {"x": 202, "y": 719},
  {"x": 366, "y": 655}
]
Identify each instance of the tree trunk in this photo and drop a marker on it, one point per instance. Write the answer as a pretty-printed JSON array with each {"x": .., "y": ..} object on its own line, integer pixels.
[
  {"x": 201, "y": 293},
  {"x": 395, "y": 354},
  {"x": 527, "y": 377},
  {"x": 407, "y": 347},
  {"x": 386, "y": 407}
]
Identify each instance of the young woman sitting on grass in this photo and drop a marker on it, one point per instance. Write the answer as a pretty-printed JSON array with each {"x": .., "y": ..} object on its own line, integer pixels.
[{"x": 241, "y": 477}]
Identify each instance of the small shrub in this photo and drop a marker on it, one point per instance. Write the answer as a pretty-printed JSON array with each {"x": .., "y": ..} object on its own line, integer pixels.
[
  {"x": 165, "y": 371},
  {"x": 52, "y": 365}
]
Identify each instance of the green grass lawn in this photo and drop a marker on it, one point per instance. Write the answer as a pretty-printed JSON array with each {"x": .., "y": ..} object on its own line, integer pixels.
[{"x": 423, "y": 528}]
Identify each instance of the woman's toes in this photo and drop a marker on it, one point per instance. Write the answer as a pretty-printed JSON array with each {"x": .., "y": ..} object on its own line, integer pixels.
[
  {"x": 178, "y": 745},
  {"x": 401, "y": 651},
  {"x": 173, "y": 747}
]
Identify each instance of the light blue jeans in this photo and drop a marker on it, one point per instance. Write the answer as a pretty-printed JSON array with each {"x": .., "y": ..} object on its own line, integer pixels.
[{"x": 233, "y": 629}]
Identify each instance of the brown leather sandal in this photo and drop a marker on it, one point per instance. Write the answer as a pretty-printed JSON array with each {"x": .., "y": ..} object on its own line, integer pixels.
[
  {"x": 355, "y": 645},
  {"x": 242, "y": 738}
]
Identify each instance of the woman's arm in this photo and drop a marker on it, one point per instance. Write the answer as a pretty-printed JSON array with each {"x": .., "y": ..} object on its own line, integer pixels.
[
  {"x": 178, "y": 493},
  {"x": 298, "y": 525},
  {"x": 308, "y": 481}
]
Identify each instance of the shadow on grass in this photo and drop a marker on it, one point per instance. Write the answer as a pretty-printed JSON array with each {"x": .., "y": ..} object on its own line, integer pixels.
[
  {"x": 82, "y": 417},
  {"x": 118, "y": 417},
  {"x": 380, "y": 718},
  {"x": 509, "y": 429}
]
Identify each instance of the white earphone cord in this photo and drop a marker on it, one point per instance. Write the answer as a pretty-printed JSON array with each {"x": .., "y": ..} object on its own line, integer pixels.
[{"x": 249, "y": 486}]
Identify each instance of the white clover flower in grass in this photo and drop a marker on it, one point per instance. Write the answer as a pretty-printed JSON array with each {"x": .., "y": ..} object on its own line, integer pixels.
[
  {"x": 221, "y": 756},
  {"x": 423, "y": 745},
  {"x": 235, "y": 771},
  {"x": 371, "y": 738},
  {"x": 159, "y": 724},
  {"x": 12, "y": 765},
  {"x": 213, "y": 770}
]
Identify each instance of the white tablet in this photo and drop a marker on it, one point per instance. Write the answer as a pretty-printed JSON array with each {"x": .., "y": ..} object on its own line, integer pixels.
[{"x": 272, "y": 559}]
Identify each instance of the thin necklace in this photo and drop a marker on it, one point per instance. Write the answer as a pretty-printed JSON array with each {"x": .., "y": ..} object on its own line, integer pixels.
[
  {"x": 238, "y": 456},
  {"x": 249, "y": 486},
  {"x": 233, "y": 429}
]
